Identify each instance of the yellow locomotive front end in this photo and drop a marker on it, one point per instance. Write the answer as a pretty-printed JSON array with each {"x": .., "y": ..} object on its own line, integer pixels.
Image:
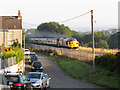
[{"x": 73, "y": 44}]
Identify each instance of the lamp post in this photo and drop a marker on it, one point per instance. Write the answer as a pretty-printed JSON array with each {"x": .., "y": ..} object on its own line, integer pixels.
[{"x": 5, "y": 30}]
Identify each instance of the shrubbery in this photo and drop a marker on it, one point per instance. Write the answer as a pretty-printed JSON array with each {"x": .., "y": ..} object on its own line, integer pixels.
[
  {"x": 46, "y": 52},
  {"x": 14, "y": 50},
  {"x": 109, "y": 61}
]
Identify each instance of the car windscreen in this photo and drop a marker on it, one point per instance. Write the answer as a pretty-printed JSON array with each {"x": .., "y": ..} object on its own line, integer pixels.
[
  {"x": 33, "y": 57},
  {"x": 37, "y": 64},
  {"x": 34, "y": 75},
  {"x": 12, "y": 78}
]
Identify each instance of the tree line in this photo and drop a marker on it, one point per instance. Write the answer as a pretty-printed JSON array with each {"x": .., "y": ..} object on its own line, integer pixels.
[{"x": 101, "y": 40}]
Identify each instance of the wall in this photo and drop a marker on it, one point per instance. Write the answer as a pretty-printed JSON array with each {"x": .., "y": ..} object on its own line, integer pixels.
[
  {"x": 17, "y": 34},
  {"x": 18, "y": 67}
]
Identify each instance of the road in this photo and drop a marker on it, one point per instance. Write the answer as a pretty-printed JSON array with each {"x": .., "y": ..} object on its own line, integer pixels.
[{"x": 58, "y": 78}]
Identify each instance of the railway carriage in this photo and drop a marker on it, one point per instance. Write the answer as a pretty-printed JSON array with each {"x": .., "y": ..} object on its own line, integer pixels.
[{"x": 60, "y": 42}]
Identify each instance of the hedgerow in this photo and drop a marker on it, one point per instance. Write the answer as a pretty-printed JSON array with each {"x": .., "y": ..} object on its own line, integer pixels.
[{"x": 109, "y": 61}]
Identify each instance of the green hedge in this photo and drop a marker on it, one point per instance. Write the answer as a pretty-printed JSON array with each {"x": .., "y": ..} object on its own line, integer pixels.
[
  {"x": 18, "y": 52},
  {"x": 109, "y": 61},
  {"x": 19, "y": 55}
]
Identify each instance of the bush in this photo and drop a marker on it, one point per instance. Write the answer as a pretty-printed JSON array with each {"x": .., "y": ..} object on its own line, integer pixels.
[
  {"x": 19, "y": 55},
  {"x": 14, "y": 50},
  {"x": 109, "y": 61}
]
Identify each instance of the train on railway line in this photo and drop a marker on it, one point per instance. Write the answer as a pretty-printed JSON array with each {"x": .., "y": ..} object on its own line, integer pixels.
[{"x": 57, "y": 42}]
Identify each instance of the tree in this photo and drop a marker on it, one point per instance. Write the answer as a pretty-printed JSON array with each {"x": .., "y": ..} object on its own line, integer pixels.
[
  {"x": 55, "y": 27},
  {"x": 102, "y": 44},
  {"x": 113, "y": 41}
]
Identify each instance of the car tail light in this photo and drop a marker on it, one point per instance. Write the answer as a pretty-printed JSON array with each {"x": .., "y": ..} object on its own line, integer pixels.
[{"x": 18, "y": 84}]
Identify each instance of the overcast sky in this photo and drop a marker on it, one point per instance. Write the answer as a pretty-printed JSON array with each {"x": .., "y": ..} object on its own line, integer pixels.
[{"x": 35, "y": 12}]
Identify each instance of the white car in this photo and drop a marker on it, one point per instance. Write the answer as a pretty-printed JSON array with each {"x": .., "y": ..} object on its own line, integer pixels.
[
  {"x": 37, "y": 79},
  {"x": 3, "y": 83},
  {"x": 26, "y": 52}
]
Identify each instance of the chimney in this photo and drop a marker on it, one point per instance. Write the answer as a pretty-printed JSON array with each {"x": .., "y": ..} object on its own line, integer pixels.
[{"x": 19, "y": 16}]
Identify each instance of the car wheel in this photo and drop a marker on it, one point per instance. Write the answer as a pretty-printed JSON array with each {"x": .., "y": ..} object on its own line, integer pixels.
[
  {"x": 41, "y": 87},
  {"x": 29, "y": 87},
  {"x": 45, "y": 87}
]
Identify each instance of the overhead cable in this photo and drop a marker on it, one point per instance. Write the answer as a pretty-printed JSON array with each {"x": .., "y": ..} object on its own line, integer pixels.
[{"x": 75, "y": 17}]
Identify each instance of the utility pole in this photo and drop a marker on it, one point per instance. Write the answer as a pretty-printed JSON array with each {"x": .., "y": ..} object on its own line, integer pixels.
[
  {"x": 93, "y": 51},
  {"x": 24, "y": 39}
]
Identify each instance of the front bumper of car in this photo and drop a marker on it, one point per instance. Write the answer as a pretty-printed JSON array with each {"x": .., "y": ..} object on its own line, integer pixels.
[
  {"x": 37, "y": 69},
  {"x": 36, "y": 84}
]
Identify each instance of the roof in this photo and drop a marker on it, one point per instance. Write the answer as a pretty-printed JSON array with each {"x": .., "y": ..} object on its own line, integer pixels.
[
  {"x": 14, "y": 23},
  {"x": 32, "y": 52}
]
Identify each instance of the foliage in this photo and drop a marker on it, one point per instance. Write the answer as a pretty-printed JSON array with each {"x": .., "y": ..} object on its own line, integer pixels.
[
  {"x": 86, "y": 40},
  {"x": 113, "y": 41},
  {"x": 19, "y": 55},
  {"x": 55, "y": 28},
  {"x": 101, "y": 40},
  {"x": 15, "y": 50},
  {"x": 109, "y": 61},
  {"x": 46, "y": 52},
  {"x": 16, "y": 45},
  {"x": 102, "y": 44}
]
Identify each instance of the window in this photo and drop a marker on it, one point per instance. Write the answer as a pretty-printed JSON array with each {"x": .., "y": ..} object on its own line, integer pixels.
[
  {"x": 12, "y": 78},
  {"x": 10, "y": 35}
]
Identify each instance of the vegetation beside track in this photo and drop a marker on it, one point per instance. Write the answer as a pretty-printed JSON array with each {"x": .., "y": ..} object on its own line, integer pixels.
[{"x": 83, "y": 71}]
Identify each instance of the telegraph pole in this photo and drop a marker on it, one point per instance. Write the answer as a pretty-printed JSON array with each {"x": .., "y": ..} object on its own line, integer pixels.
[{"x": 93, "y": 51}]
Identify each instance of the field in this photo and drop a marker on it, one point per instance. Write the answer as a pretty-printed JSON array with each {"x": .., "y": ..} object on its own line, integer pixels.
[{"x": 112, "y": 51}]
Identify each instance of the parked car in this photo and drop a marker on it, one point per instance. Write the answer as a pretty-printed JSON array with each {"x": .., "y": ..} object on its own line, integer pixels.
[
  {"x": 18, "y": 81},
  {"x": 33, "y": 57},
  {"x": 36, "y": 66},
  {"x": 48, "y": 80},
  {"x": 3, "y": 83},
  {"x": 37, "y": 79},
  {"x": 26, "y": 52}
]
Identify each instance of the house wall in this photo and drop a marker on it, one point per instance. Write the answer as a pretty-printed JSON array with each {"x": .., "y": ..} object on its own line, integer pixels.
[{"x": 10, "y": 35}]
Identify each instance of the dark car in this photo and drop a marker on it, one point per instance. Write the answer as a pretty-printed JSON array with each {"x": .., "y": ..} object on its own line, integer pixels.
[
  {"x": 37, "y": 66},
  {"x": 3, "y": 83},
  {"x": 33, "y": 57},
  {"x": 18, "y": 81}
]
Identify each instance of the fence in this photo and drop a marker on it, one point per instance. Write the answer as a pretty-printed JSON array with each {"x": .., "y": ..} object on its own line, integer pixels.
[
  {"x": 71, "y": 53},
  {"x": 8, "y": 62}
]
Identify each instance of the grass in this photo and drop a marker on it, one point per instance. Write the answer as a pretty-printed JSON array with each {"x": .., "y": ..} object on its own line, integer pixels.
[
  {"x": 83, "y": 71},
  {"x": 112, "y": 51}
]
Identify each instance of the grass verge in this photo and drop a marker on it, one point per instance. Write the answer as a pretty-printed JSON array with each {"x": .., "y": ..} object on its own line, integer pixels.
[{"x": 83, "y": 71}]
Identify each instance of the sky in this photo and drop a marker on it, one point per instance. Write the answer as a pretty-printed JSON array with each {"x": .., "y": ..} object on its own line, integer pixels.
[{"x": 35, "y": 12}]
